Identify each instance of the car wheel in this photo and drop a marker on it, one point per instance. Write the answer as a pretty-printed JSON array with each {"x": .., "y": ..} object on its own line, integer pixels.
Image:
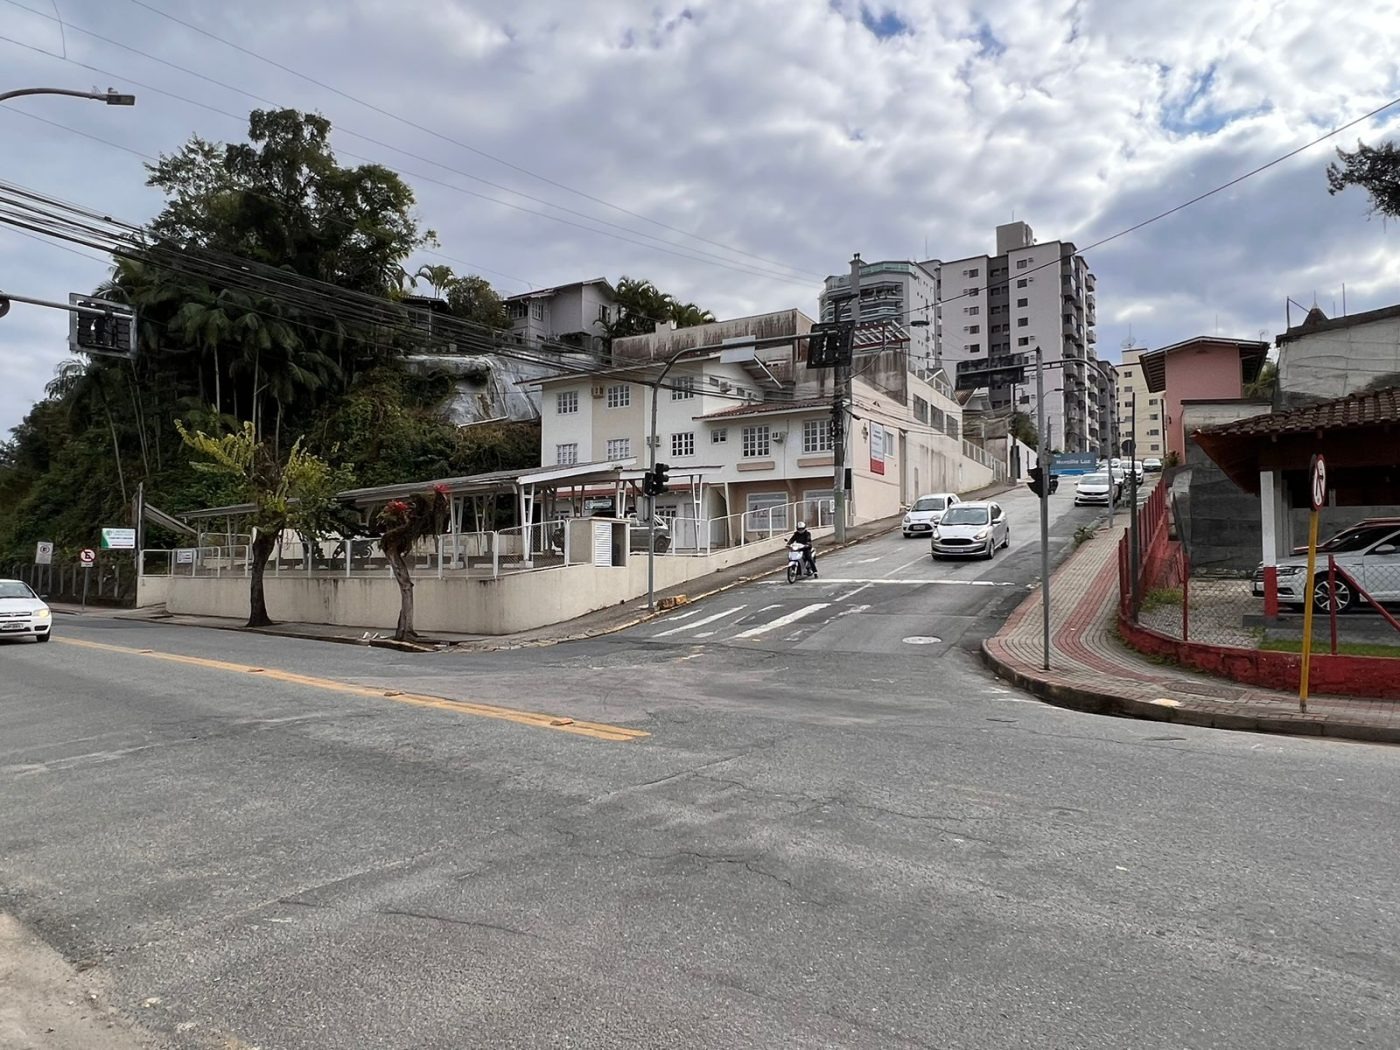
[
  {"x": 1345, "y": 596},
  {"x": 991, "y": 550},
  {"x": 43, "y": 637},
  {"x": 1006, "y": 543}
]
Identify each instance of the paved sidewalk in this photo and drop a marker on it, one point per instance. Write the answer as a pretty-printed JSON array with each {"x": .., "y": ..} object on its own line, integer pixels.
[{"x": 1092, "y": 670}]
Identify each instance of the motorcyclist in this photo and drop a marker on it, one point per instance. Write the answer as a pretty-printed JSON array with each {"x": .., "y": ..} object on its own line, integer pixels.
[{"x": 804, "y": 538}]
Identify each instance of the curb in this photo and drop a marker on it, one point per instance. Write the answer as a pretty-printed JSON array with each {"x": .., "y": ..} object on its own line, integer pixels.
[{"x": 1090, "y": 701}]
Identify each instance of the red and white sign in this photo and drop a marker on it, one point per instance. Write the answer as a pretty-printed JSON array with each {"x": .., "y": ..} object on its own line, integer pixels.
[
  {"x": 877, "y": 448},
  {"x": 1319, "y": 482},
  {"x": 88, "y": 557}
]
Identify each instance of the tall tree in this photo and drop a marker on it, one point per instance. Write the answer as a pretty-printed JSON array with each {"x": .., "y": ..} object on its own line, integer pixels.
[
  {"x": 296, "y": 493},
  {"x": 640, "y": 305},
  {"x": 403, "y": 523},
  {"x": 1376, "y": 169}
]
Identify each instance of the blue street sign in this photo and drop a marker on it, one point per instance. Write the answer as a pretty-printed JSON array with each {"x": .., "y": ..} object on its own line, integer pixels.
[{"x": 1074, "y": 463}]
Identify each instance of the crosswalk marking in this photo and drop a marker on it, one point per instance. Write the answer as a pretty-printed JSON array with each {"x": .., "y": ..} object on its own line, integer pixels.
[
  {"x": 700, "y": 623},
  {"x": 907, "y": 582},
  {"x": 782, "y": 621}
]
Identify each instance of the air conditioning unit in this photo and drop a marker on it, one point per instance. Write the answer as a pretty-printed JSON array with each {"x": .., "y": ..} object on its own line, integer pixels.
[
  {"x": 780, "y": 436},
  {"x": 724, "y": 388},
  {"x": 599, "y": 391}
]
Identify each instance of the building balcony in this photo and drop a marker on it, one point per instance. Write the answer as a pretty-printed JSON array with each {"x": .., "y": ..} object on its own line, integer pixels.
[{"x": 1093, "y": 336}]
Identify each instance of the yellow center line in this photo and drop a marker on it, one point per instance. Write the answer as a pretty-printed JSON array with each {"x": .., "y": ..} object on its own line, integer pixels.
[{"x": 563, "y": 724}]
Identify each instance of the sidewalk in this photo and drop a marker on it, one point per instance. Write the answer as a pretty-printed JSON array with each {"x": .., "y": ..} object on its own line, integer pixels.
[
  {"x": 1092, "y": 671},
  {"x": 600, "y": 622}
]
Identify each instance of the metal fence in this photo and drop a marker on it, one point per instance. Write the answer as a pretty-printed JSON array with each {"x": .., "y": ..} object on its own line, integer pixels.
[{"x": 107, "y": 583}]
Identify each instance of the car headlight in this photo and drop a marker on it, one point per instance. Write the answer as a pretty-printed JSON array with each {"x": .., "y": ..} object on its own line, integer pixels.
[
  {"x": 935, "y": 532},
  {"x": 907, "y": 519},
  {"x": 42, "y": 614},
  {"x": 1291, "y": 570},
  {"x": 983, "y": 534}
]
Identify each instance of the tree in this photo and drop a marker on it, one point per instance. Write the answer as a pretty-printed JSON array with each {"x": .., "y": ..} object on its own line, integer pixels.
[
  {"x": 1023, "y": 429},
  {"x": 1376, "y": 169},
  {"x": 297, "y": 493},
  {"x": 1263, "y": 385},
  {"x": 640, "y": 305},
  {"x": 473, "y": 299},
  {"x": 403, "y": 522}
]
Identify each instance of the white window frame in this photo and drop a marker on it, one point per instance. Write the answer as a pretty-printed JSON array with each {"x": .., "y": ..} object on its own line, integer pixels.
[
  {"x": 537, "y": 309},
  {"x": 816, "y": 436},
  {"x": 756, "y": 437},
  {"x": 566, "y": 403},
  {"x": 1021, "y": 264},
  {"x": 683, "y": 388},
  {"x": 620, "y": 395},
  {"x": 566, "y": 455},
  {"x": 719, "y": 436},
  {"x": 683, "y": 444},
  {"x": 619, "y": 448}
]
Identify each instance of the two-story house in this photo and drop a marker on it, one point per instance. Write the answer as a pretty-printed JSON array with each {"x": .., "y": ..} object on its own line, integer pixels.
[{"x": 566, "y": 316}]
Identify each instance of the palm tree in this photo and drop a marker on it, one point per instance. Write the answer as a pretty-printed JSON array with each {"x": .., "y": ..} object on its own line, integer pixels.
[{"x": 439, "y": 278}]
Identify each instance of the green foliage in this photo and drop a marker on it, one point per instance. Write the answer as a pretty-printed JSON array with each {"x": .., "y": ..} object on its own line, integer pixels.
[
  {"x": 1265, "y": 383},
  {"x": 640, "y": 305},
  {"x": 1023, "y": 429},
  {"x": 1162, "y": 598},
  {"x": 1376, "y": 169}
]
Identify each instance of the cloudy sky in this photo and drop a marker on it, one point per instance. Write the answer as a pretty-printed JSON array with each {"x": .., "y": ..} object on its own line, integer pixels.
[{"x": 736, "y": 152}]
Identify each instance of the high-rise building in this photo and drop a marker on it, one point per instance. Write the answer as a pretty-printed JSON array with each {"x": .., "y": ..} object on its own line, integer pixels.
[
  {"x": 1149, "y": 439},
  {"x": 898, "y": 307}
]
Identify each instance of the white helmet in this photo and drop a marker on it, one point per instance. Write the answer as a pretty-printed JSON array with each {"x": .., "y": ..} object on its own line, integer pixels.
[{"x": 801, "y": 525}]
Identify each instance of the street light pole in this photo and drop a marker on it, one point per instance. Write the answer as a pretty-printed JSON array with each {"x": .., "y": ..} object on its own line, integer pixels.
[
  {"x": 651, "y": 468},
  {"x": 111, "y": 96},
  {"x": 841, "y": 381},
  {"x": 1043, "y": 460}
]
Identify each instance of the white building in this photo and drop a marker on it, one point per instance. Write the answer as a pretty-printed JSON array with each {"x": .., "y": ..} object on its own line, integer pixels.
[
  {"x": 568, "y": 315},
  {"x": 1150, "y": 437}
]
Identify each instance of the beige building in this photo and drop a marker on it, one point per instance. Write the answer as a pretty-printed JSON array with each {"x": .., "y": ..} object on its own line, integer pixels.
[{"x": 1150, "y": 439}]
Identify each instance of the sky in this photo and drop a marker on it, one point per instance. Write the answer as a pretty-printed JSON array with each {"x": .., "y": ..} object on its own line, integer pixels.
[{"x": 736, "y": 153}]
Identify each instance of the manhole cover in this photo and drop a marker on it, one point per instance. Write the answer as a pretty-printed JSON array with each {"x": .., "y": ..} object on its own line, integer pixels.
[{"x": 922, "y": 639}]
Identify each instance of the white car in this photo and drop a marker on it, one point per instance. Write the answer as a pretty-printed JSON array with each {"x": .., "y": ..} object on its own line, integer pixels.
[
  {"x": 1369, "y": 554},
  {"x": 971, "y": 529},
  {"x": 926, "y": 513},
  {"x": 1138, "y": 467},
  {"x": 23, "y": 613},
  {"x": 1094, "y": 488},
  {"x": 1152, "y": 464}
]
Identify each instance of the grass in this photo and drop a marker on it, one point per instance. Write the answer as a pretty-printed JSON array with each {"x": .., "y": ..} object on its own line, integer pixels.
[
  {"x": 1295, "y": 645},
  {"x": 1161, "y": 598}
]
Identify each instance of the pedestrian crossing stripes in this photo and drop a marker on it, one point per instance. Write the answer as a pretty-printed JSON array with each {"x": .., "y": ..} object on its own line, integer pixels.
[
  {"x": 783, "y": 621},
  {"x": 701, "y": 623}
]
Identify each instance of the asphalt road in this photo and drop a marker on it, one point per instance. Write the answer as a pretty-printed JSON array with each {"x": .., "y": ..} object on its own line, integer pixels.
[{"x": 826, "y": 837}]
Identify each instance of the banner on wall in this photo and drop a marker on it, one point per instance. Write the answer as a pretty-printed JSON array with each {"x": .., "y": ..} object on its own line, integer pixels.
[{"x": 877, "y": 448}]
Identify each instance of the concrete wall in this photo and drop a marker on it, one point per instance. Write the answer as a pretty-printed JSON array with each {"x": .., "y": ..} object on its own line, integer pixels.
[
  {"x": 516, "y": 602},
  {"x": 1220, "y": 523},
  {"x": 1318, "y": 366}
]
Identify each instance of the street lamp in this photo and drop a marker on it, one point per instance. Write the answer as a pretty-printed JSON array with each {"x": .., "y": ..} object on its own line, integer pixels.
[{"x": 111, "y": 96}]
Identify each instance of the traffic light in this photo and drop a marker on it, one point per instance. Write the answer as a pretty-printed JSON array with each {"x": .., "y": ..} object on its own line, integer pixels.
[
  {"x": 660, "y": 476},
  {"x": 111, "y": 333},
  {"x": 1037, "y": 482}
]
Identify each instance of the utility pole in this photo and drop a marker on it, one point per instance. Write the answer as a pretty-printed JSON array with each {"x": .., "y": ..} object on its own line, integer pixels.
[
  {"x": 1132, "y": 500},
  {"x": 841, "y": 383},
  {"x": 653, "y": 439},
  {"x": 1043, "y": 460}
]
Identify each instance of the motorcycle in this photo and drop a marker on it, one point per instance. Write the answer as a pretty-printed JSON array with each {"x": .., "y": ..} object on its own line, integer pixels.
[{"x": 797, "y": 563}]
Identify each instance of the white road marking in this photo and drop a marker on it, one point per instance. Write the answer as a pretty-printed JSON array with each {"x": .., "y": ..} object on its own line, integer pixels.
[
  {"x": 782, "y": 621},
  {"x": 700, "y": 623},
  {"x": 857, "y": 609},
  {"x": 920, "y": 560},
  {"x": 951, "y": 583},
  {"x": 682, "y": 616},
  {"x": 851, "y": 594}
]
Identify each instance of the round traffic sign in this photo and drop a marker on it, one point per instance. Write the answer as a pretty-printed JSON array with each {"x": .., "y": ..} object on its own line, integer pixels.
[
  {"x": 1319, "y": 482},
  {"x": 45, "y": 547},
  {"x": 87, "y": 556}
]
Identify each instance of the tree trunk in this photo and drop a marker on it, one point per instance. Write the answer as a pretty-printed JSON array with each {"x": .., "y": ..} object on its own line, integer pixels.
[
  {"x": 263, "y": 545},
  {"x": 218, "y": 385},
  {"x": 398, "y": 562}
]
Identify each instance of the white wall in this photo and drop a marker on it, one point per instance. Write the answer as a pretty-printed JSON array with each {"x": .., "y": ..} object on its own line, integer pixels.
[{"x": 1329, "y": 364}]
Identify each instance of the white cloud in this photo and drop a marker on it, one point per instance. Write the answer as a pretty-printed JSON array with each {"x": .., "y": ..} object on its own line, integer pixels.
[{"x": 786, "y": 129}]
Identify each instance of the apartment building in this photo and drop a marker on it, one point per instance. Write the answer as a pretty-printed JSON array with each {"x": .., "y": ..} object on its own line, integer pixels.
[
  {"x": 1149, "y": 438},
  {"x": 898, "y": 308}
]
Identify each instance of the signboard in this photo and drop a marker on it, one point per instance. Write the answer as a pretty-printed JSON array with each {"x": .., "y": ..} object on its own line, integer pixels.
[
  {"x": 43, "y": 553},
  {"x": 1074, "y": 462},
  {"x": 1319, "y": 482},
  {"x": 118, "y": 539},
  {"x": 88, "y": 557},
  {"x": 184, "y": 557},
  {"x": 877, "y": 448}
]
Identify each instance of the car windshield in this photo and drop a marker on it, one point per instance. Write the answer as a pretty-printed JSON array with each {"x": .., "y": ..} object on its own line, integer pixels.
[
  {"x": 1094, "y": 479},
  {"x": 930, "y": 503},
  {"x": 14, "y": 589},
  {"x": 967, "y": 516},
  {"x": 1357, "y": 541}
]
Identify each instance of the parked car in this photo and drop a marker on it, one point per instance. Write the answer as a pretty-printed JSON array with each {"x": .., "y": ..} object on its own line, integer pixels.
[
  {"x": 1094, "y": 489},
  {"x": 1152, "y": 465},
  {"x": 640, "y": 537},
  {"x": 926, "y": 512},
  {"x": 972, "y": 529},
  {"x": 1139, "y": 467},
  {"x": 23, "y": 614},
  {"x": 1370, "y": 555},
  {"x": 1365, "y": 523}
]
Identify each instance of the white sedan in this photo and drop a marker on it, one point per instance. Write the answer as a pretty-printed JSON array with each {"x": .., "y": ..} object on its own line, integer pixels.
[
  {"x": 23, "y": 613},
  {"x": 971, "y": 529}
]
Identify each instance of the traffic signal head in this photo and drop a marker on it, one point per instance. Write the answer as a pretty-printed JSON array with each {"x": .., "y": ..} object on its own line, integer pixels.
[
  {"x": 660, "y": 476},
  {"x": 1037, "y": 482}
]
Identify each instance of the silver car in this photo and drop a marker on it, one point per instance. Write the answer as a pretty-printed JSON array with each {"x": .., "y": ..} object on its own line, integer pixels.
[
  {"x": 1370, "y": 555},
  {"x": 974, "y": 529},
  {"x": 926, "y": 512},
  {"x": 1094, "y": 488}
]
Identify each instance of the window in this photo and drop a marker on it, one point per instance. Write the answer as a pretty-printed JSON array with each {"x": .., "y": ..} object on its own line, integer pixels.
[
  {"x": 1021, "y": 264},
  {"x": 1152, "y": 416},
  {"x": 1022, "y": 283},
  {"x": 516, "y": 311},
  {"x": 1023, "y": 302},
  {"x": 920, "y": 410},
  {"x": 972, "y": 348},
  {"x": 566, "y": 455},
  {"x": 604, "y": 314},
  {"x": 816, "y": 435},
  {"x": 767, "y": 510},
  {"x": 972, "y": 311},
  {"x": 566, "y": 402},
  {"x": 755, "y": 442},
  {"x": 683, "y": 388},
  {"x": 619, "y": 396},
  {"x": 719, "y": 436},
  {"x": 973, "y": 329},
  {"x": 1023, "y": 322},
  {"x": 537, "y": 309},
  {"x": 619, "y": 448},
  {"x": 683, "y": 444},
  {"x": 974, "y": 272},
  {"x": 1153, "y": 433},
  {"x": 970, "y": 291}
]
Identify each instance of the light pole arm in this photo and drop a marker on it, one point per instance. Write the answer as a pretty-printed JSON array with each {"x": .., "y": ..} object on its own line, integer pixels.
[{"x": 112, "y": 98}]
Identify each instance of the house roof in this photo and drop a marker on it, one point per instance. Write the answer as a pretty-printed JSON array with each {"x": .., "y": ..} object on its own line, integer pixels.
[
  {"x": 1154, "y": 362},
  {"x": 1353, "y": 431},
  {"x": 1317, "y": 321},
  {"x": 544, "y": 293},
  {"x": 769, "y": 408}
]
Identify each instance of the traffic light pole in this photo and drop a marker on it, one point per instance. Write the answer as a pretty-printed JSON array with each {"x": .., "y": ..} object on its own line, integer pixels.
[
  {"x": 651, "y": 470},
  {"x": 841, "y": 396},
  {"x": 1043, "y": 461}
]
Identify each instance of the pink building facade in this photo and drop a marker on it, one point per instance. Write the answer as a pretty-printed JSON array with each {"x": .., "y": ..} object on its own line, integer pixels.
[{"x": 1204, "y": 368}]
